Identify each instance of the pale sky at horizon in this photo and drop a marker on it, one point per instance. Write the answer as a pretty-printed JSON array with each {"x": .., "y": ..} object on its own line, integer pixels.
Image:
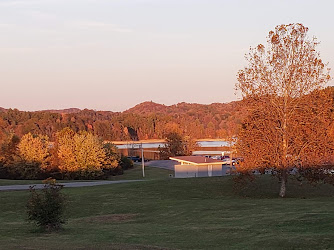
[{"x": 114, "y": 54}]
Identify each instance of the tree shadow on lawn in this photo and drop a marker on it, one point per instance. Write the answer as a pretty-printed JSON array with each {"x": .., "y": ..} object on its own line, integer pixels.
[{"x": 267, "y": 186}]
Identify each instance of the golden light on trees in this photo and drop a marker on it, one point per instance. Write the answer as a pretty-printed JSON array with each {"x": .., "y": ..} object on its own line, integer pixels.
[
  {"x": 289, "y": 113},
  {"x": 112, "y": 158},
  {"x": 34, "y": 149},
  {"x": 89, "y": 152},
  {"x": 82, "y": 152},
  {"x": 66, "y": 150}
]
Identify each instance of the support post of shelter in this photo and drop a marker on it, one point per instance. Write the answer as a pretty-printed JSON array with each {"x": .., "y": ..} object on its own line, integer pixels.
[{"x": 142, "y": 160}]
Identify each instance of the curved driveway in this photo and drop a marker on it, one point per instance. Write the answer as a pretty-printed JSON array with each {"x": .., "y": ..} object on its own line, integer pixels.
[
  {"x": 165, "y": 164},
  {"x": 66, "y": 184}
]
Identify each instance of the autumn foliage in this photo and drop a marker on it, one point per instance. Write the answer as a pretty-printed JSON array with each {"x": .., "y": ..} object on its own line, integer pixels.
[
  {"x": 72, "y": 156},
  {"x": 34, "y": 149},
  {"x": 147, "y": 120},
  {"x": 289, "y": 124}
]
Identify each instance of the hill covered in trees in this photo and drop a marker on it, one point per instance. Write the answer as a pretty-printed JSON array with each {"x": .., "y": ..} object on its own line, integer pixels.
[{"x": 147, "y": 120}]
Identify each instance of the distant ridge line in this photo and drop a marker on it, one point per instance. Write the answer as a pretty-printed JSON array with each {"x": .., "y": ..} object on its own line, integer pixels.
[{"x": 141, "y": 108}]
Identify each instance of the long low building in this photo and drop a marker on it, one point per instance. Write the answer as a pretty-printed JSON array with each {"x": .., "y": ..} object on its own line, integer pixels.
[
  {"x": 210, "y": 153},
  {"x": 198, "y": 166}
]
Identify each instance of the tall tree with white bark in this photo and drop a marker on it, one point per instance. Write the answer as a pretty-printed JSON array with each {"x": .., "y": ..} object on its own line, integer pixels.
[{"x": 289, "y": 113}]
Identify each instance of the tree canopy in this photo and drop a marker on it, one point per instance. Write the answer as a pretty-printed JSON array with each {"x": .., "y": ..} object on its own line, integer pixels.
[
  {"x": 289, "y": 115},
  {"x": 72, "y": 156},
  {"x": 145, "y": 121}
]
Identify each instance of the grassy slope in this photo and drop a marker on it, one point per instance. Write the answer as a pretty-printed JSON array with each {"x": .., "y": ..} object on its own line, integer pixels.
[{"x": 197, "y": 213}]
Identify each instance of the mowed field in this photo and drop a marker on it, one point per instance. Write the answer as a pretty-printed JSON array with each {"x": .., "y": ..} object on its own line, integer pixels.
[{"x": 167, "y": 213}]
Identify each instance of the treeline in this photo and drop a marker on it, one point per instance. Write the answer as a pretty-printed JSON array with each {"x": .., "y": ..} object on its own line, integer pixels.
[
  {"x": 70, "y": 156},
  {"x": 145, "y": 121}
]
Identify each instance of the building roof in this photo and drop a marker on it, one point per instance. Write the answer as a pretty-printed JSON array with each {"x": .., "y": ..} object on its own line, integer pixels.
[
  {"x": 196, "y": 160},
  {"x": 210, "y": 152}
]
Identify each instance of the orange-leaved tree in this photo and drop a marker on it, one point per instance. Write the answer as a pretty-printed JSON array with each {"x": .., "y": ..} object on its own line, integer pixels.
[{"x": 289, "y": 112}]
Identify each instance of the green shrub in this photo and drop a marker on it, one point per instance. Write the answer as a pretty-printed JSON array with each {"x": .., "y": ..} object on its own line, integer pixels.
[
  {"x": 46, "y": 207},
  {"x": 24, "y": 171},
  {"x": 126, "y": 163}
]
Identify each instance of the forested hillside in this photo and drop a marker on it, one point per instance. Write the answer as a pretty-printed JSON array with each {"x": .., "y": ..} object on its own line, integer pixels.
[{"x": 147, "y": 120}]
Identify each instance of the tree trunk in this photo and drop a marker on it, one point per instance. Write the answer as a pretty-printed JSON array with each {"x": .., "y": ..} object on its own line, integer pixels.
[
  {"x": 284, "y": 148},
  {"x": 284, "y": 179}
]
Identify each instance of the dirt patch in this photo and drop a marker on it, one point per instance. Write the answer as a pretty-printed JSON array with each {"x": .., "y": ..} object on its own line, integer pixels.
[{"x": 109, "y": 218}]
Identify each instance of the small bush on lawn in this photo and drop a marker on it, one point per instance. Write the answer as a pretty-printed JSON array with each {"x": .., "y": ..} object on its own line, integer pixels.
[{"x": 46, "y": 207}]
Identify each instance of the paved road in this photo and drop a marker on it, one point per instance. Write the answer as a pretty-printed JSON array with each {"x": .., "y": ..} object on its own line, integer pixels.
[
  {"x": 67, "y": 184},
  {"x": 166, "y": 164}
]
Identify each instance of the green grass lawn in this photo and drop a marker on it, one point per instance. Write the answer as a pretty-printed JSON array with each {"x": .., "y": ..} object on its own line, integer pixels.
[
  {"x": 136, "y": 173},
  {"x": 4, "y": 182},
  {"x": 198, "y": 213}
]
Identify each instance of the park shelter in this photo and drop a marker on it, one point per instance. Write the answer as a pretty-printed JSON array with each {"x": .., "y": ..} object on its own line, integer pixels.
[{"x": 197, "y": 166}]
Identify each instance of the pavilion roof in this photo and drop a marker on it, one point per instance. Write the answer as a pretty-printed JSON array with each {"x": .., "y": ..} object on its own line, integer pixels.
[{"x": 197, "y": 160}]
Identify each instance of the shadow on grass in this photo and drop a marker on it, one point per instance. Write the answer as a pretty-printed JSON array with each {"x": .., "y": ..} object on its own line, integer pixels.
[{"x": 267, "y": 186}]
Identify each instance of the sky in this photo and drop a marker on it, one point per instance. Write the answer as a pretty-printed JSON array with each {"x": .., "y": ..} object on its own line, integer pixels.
[{"x": 114, "y": 54}]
